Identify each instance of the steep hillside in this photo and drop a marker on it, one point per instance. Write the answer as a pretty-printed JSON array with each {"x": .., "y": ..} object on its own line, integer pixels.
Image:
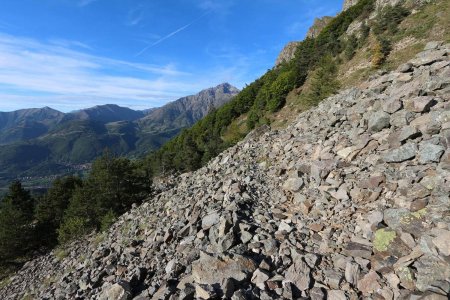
[{"x": 349, "y": 201}]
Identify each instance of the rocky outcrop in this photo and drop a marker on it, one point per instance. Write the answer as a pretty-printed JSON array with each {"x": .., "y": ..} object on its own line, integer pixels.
[
  {"x": 287, "y": 53},
  {"x": 351, "y": 201},
  {"x": 318, "y": 25}
]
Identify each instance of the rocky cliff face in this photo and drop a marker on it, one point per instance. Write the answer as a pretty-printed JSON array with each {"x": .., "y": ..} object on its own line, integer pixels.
[
  {"x": 287, "y": 53},
  {"x": 351, "y": 201},
  {"x": 348, "y": 4},
  {"x": 319, "y": 24}
]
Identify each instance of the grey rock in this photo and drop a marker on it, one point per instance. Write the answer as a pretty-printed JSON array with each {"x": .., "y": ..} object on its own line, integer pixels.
[
  {"x": 406, "y": 67},
  {"x": 293, "y": 184},
  {"x": 118, "y": 291},
  {"x": 405, "y": 152},
  {"x": 379, "y": 120},
  {"x": 317, "y": 293},
  {"x": 210, "y": 220},
  {"x": 259, "y": 278},
  {"x": 299, "y": 274},
  {"x": 442, "y": 242},
  {"x": 419, "y": 104},
  {"x": 337, "y": 295},
  {"x": 211, "y": 270},
  {"x": 352, "y": 273},
  {"x": 430, "y": 153}
]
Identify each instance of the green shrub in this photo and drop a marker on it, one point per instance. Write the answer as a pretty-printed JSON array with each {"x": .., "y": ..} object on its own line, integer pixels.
[
  {"x": 350, "y": 47},
  {"x": 389, "y": 19}
]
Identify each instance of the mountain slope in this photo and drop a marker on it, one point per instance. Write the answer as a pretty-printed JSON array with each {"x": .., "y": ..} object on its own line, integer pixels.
[
  {"x": 81, "y": 136},
  {"x": 349, "y": 201},
  {"x": 186, "y": 111},
  {"x": 106, "y": 113},
  {"x": 27, "y": 124}
]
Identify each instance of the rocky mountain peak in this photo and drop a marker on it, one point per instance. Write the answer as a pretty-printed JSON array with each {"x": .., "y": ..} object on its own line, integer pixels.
[{"x": 350, "y": 201}]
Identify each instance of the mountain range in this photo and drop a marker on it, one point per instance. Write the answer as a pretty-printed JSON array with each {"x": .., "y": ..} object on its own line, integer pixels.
[{"x": 44, "y": 141}]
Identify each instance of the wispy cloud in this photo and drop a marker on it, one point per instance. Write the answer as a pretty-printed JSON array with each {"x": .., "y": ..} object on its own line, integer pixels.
[
  {"x": 168, "y": 36},
  {"x": 49, "y": 72},
  {"x": 135, "y": 16}
]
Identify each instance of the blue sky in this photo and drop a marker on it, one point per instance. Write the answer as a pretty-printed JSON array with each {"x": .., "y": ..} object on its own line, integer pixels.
[{"x": 72, "y": 54}]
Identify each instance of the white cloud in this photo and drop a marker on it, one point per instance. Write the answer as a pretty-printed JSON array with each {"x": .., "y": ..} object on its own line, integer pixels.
[
  {"x": 63, "y": 75},
  {"x": 53, "y": 71}
]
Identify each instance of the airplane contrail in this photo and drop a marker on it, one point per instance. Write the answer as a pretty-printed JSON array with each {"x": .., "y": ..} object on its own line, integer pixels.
[{"x": 170, "y": 35}]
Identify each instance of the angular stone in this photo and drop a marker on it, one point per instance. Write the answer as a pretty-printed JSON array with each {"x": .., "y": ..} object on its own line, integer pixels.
[
  {"x": 405, "y": 152},
  {"x": 203, "y": 291},
  {"x": 119, "y": 291},
  {"x": 246, "y": 236},
  {"x": 442, "y": 242},
  {"x": 210, "y": 220},
  {"x": 433, "y": 45},
  {"x": 378, "y": 120},
  {"x": 211, "y": 270},
  {"x": 299, "y": 274},
  {"x": 406, "y": 277},
  {"x": 317, "y": 293},
  {"x": 369, "y": 283},
  {"x": 430, "y": 153},
  {"x": 419, "y": 104},
  {"x": 285, "y": 227},
  {"x": 259, "y": 279},
  {"x": 333, "y": 278},
  {"x": 293, "y": 184},
  {"x": 427, "y": 58},
  {"x": 430, "y": 270},
  {"x": 393, "y": 105},
  {"x": 407, "y": 67},
  {"x": 405, "y": 133},
  {"x": 337, "y": 295},
  {"x": 358, "y": 250},
  {"x": 352, "y": 272}
]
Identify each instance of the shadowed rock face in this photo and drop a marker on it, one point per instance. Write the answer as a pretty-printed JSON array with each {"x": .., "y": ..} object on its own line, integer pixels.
[{"x": 350, "y": 201}]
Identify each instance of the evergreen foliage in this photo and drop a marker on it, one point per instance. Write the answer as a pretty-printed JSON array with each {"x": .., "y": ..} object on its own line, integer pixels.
[
  {"x": 385, "y": 25},
  {"x": 51, "y": 207},
  {"x": 350, "y": 47},
  {"x": 113, "y": 185},
  {"x": 16, "y": 216},
  {"x": 324, "y": 82}
]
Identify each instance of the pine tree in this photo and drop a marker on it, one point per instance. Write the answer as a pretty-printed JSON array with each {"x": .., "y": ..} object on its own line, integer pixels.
[
  {"x": 16, "y": 216},
  {"x": 50, "y": 208},
  {"x": 324, "y": 82}
]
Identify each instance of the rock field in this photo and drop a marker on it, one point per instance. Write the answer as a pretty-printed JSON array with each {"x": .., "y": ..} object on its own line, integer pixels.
[{"x": 351, "y": 201}]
